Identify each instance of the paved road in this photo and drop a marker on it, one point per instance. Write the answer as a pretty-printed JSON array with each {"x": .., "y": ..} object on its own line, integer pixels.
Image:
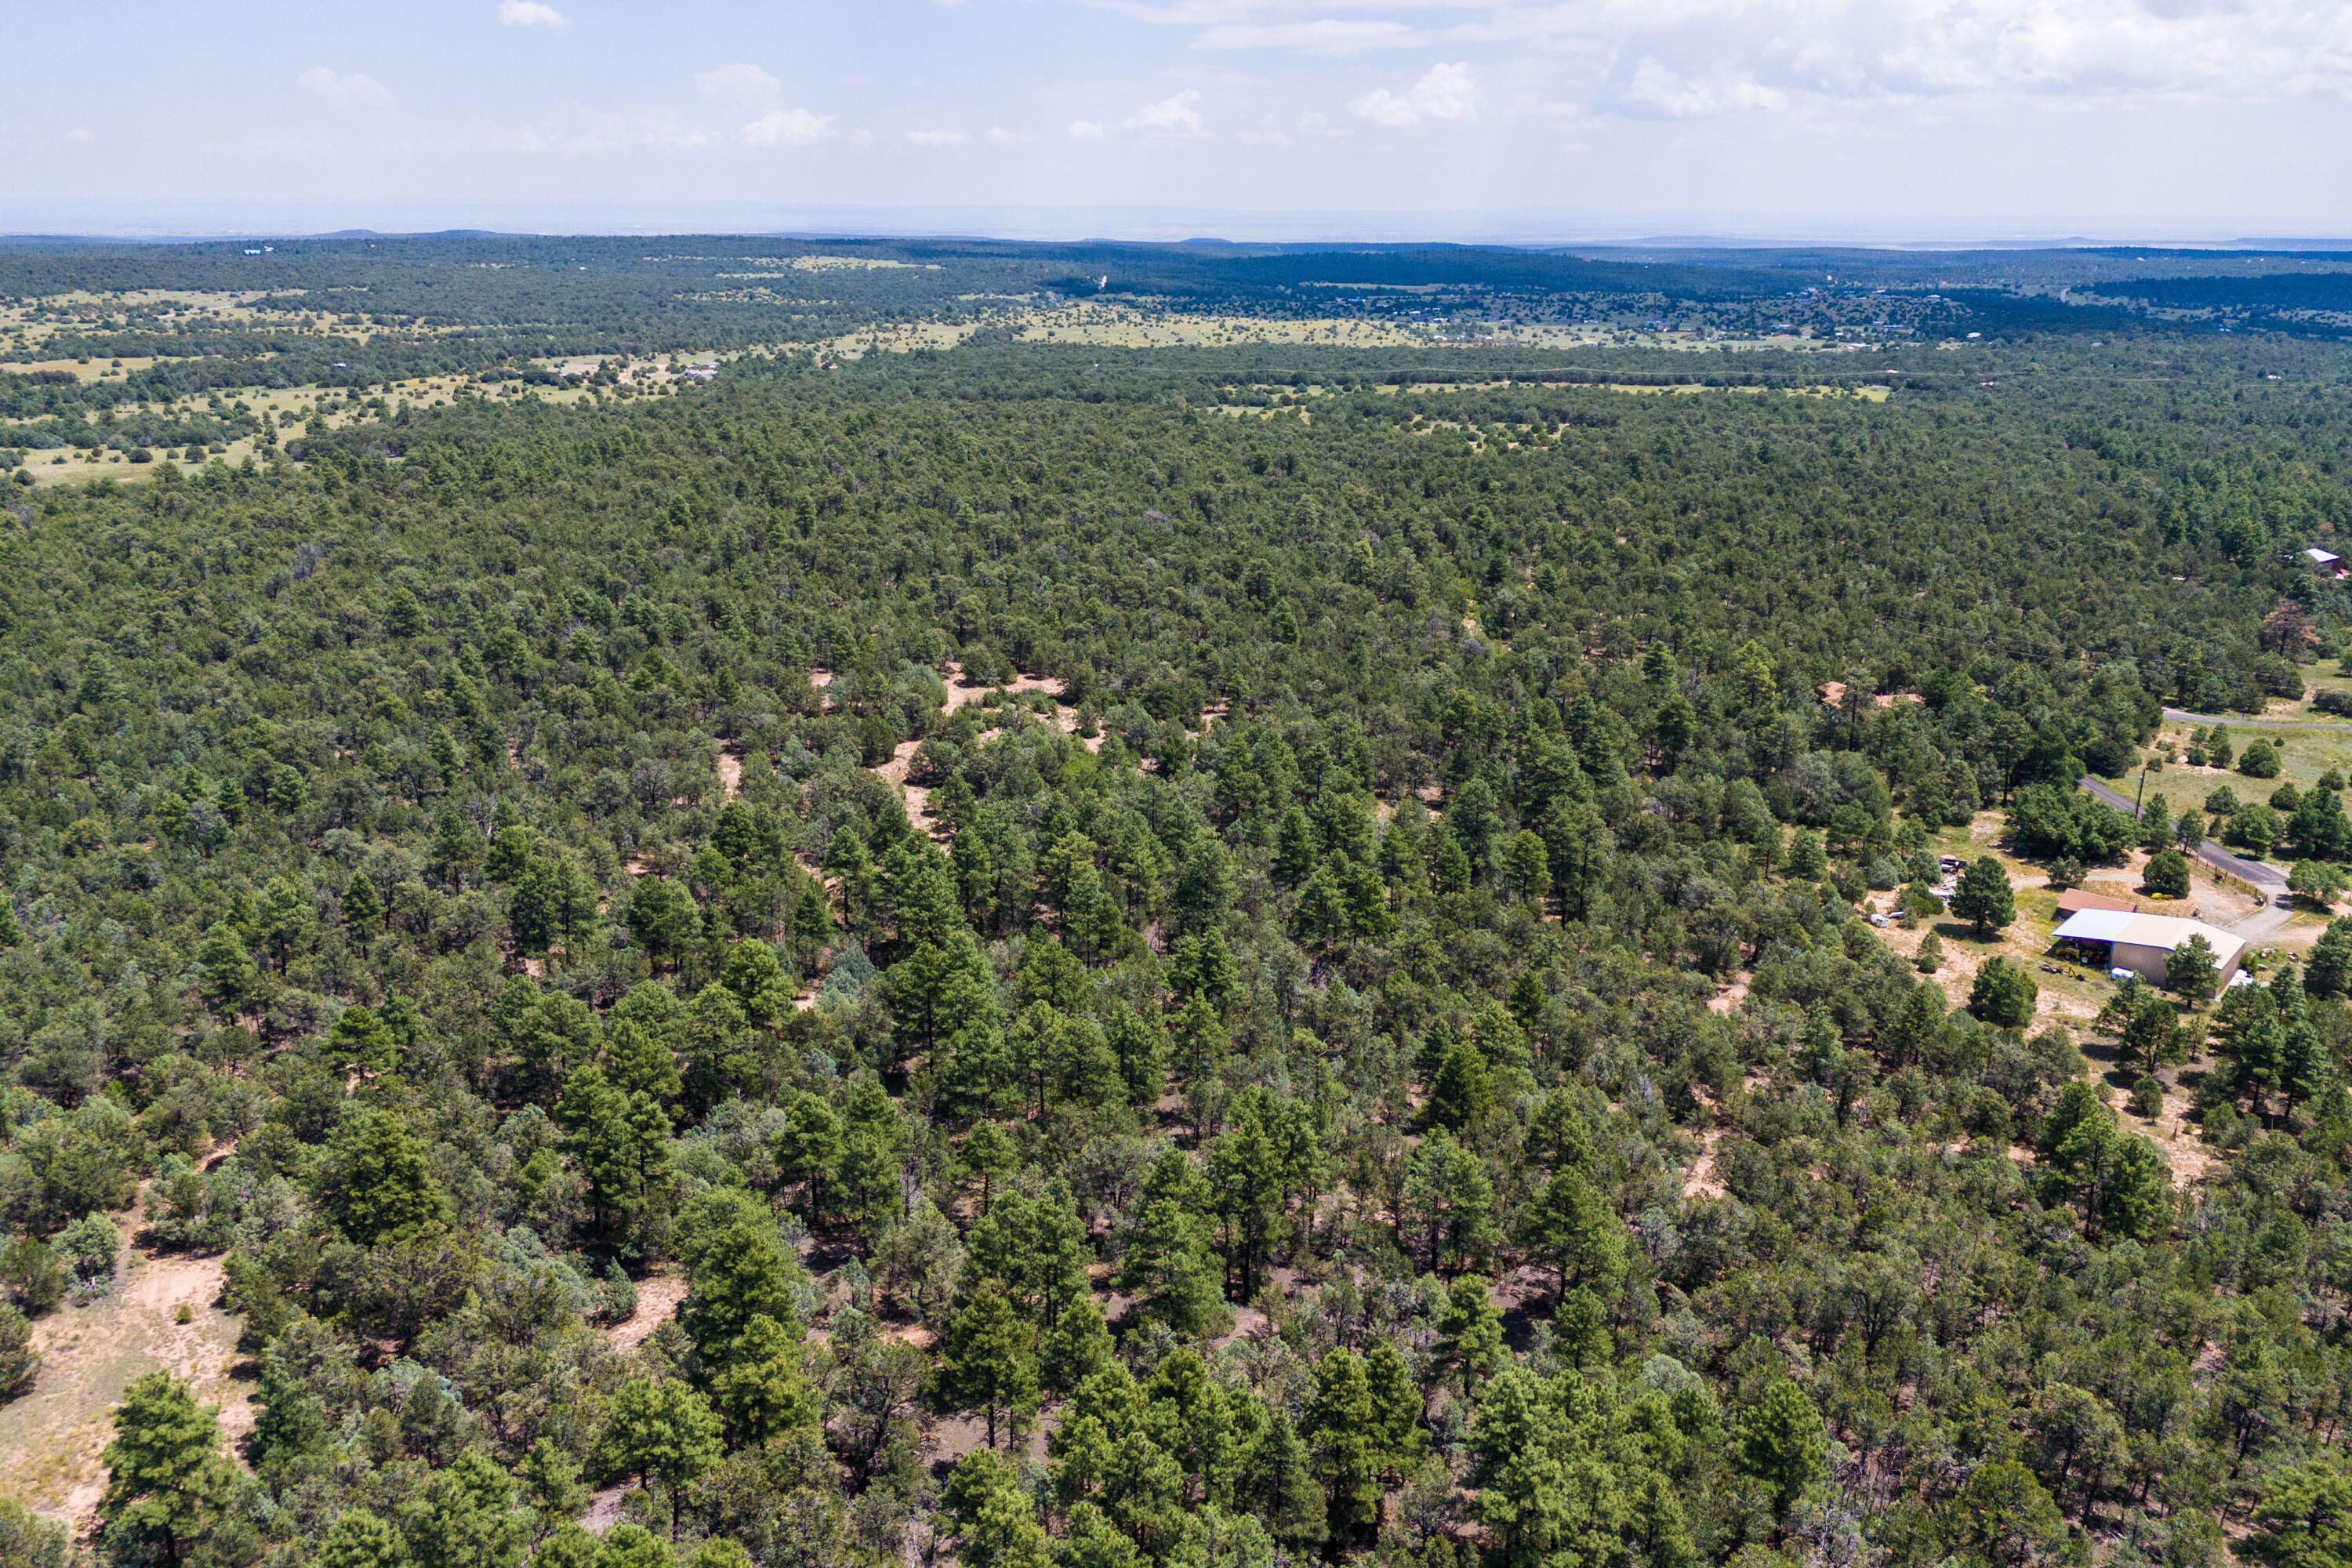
[
  {"x": 2238, "y": 720},
  {"x": 2268, "y": 878}
]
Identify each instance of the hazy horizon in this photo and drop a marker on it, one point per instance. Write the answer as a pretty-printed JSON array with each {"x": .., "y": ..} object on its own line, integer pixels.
[
  {"x": 2006, "y": 121},
  {"x": 181, "y": 219}
]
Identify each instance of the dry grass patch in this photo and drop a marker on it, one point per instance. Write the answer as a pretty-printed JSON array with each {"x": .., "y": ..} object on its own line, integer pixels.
[{"x": 49, "y": 1445}]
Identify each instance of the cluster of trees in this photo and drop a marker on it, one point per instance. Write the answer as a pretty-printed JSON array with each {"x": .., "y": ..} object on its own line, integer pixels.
[{"x": 1274, "y": 1065}]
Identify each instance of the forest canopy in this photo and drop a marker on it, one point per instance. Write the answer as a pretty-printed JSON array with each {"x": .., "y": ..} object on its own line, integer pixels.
[{"x": 1083, "y": 956}]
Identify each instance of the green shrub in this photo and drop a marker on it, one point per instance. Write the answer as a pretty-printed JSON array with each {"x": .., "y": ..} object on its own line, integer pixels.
[
  {"x": 2166, "y": 873},
  {"x": 88, "y": 1246},
  {"x": 2003, "y": 994}
]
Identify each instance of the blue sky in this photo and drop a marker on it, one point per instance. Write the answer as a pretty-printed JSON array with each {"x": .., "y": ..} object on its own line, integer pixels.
[{"x": 1869, "y": 118}]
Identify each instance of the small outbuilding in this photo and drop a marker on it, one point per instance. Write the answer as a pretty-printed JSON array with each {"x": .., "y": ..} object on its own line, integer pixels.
[
  {"x": 2074, "y": 900},
  {"x": 2144, "y": 944}
]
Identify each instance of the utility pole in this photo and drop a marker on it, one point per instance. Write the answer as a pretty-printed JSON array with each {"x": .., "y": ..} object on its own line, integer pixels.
[{"x": 2142, "y": 791}]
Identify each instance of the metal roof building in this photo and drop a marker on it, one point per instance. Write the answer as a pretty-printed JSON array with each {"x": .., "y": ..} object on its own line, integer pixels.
[
  {"x": 2144, "y": 943},
  {"x": 2074, "y": 900}
]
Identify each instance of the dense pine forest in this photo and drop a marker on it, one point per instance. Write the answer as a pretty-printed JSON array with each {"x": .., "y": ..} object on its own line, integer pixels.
[{"x": 1066, "y": 958}]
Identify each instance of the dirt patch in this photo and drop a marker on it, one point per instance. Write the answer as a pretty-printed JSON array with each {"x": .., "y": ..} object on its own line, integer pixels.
[
  {"x": 918, "y": 797},
  {"x": 1700, "y": 1180},
  {"x": 730, "y": 772},
  {"x": 657, "y": 1298},
  {"x": 902, "y": 757},
  {"x": 2070, "y": 994},
  {"x": 950, "y": 1438},
  {"x": 2184, "y": 1153},
  {"x": 1727, "y": 1000},
  {"x": 960, "y": 691},
  {"x": 50, "y": 1442},
  {"x": 604, "y": 1510},
  {"x": 1249, "y": 1323},
  {"x": 1021, "y": 683},
  {"x": 961, "y": 694}
]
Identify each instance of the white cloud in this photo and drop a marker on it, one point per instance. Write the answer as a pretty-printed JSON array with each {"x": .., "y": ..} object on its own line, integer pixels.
[
  {"x": 531, "y": 14},
  {"x": 753, "y": 92},
  {"x": 1448, "y": 92},
  {"x": 1177, "y": 114},
  {"x": 787, "y": 127},
  {"x": 1670, "y": 94},
  {"x": 357, "y": 88},
  {"x": 748, "y": 90},
  {"x": 742, "y": 84},
  {"x": 1086, "y": 130},
  {"x": 1004, "y": 138},
  {"x": 936, "y": 138},
  {"x": 1645, "y": 58},
  {"x": 77, "y": 134}
]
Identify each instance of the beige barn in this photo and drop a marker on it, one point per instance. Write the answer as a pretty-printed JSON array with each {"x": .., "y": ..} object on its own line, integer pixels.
[{"x": 2144, "y": 943}]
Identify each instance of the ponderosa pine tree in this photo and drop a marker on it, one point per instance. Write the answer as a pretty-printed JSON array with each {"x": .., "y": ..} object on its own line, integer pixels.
[
  {"x": 989, "y": 1361},
  {"x": 1982, "y": 897},
  {"x": 169, "y": 1486},
  {"x": 661, "y": 1432}
]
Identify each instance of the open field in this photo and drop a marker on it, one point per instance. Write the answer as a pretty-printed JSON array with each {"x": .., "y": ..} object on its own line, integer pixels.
[
  {"x": 1117, "y": 324},
  {"x": 1422, "y": 320},
  {"x": 2305, "y": 754},
  {"x": 299, "y": 410},
  {"x": 308, "y": 409}
]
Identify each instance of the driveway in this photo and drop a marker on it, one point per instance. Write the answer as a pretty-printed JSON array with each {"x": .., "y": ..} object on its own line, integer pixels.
[
  {"x": 2261, "y": 924},
  {"x": 2269, "y": 879}
]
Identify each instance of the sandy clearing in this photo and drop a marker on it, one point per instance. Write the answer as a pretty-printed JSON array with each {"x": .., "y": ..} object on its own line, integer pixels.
[
  {"x": 50, "y": 1443},
  {"x": 604, "y": 1508},
  {"x": 902, "y": 757},
  {"x": 959, "y": 691},
  {"x": 959, "y": 694},
  {"x": 657, "y": 1298},
  {"x": 1700, "y": 1180}
]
